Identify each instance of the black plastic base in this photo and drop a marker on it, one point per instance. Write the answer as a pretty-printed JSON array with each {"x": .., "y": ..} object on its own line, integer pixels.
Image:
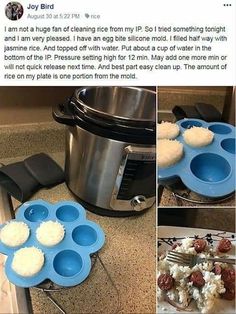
[{"x": 106, "y": 212}]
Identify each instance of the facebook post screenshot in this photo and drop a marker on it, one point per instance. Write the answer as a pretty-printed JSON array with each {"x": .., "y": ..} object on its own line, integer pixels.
[{"x": 117, "y": 157}]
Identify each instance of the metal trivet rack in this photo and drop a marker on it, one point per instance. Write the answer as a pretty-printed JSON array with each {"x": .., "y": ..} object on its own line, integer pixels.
[
  {"x": 48, "y": 287},
  {"x": 184, "y": 194}
]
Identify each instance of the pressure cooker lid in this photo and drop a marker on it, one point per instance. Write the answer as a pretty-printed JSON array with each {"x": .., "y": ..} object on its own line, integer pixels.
[{"x": 127, "y": 106}]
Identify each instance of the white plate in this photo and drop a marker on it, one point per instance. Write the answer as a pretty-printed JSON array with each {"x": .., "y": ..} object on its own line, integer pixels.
[{"x": 167, "y": 235}]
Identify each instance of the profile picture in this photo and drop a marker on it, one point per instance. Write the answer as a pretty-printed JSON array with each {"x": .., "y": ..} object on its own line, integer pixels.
[{"x": 14, "y": 11}]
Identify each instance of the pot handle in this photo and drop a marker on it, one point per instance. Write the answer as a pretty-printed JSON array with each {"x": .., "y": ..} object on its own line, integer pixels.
[{"x": 62, "y": 114}]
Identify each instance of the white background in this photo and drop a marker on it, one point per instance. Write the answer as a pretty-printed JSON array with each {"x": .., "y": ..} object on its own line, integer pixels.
[{"x": 167, "y": 12}]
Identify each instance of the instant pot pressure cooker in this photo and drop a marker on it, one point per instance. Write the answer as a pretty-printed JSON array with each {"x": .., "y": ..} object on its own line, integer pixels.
[{"x": 110, "y": 148}]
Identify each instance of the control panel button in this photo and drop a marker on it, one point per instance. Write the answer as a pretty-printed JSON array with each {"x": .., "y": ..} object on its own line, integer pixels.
[{"x": 139, "y": 203}]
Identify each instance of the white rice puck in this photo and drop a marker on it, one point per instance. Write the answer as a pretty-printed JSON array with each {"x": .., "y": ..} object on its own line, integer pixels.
[
  {"x": 169, "y": 152},
  {"x": 167, "y": 130},
  {"x": 14, "y": 233},
  {"x": 198, "y": 136},
  {"x": 50, "y": 233},
  {"x": 28, "y": 261}
]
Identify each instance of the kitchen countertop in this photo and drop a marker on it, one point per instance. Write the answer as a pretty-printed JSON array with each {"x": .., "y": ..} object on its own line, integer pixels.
[
  {"x": 168, "y": 200},
  {"x": 31, "y": 138},
  {"x": 128, "y": 254},
  {"x": 222, "y": 219},
  {"x": 129, "y": 251}
]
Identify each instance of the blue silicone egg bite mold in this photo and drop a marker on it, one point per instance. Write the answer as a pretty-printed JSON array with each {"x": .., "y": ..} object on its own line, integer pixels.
[
  {"x": 208, "y": 170},
  {"x": 68, "y": 263}
]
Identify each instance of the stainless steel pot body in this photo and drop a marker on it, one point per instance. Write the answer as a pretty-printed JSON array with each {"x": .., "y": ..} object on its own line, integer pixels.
[
  {"x": 95, "y": 166},
  {"x": 110, "y": 146}
]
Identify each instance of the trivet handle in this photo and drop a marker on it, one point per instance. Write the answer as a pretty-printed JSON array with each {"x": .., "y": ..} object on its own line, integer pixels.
[
  {"x": 118, "y": 308},
  {"x": 47, "y": 293},
  {"x": 195, "y": 201}
]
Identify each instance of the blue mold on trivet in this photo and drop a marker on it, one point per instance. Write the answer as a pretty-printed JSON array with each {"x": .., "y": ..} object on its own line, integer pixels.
[
  {"x": 208, "y": 170},
  {"x": 67, "y": 263}
]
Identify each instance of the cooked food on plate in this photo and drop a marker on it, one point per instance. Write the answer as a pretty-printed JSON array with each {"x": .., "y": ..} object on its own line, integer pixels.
[
  {"x": 28, "y": 261},
  {"x": 50, "y": 233},
  {"x": 169, "y": 152},
  {"x": 14, "y": 233},
  {"x": 224, "y": 245},
  {"x": 203, "y": 283},
  {"x": 198, "y": 136},
  {"x": 167, "y": 130}
]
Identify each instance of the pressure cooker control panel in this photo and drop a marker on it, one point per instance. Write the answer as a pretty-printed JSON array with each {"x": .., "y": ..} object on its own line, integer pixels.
[{"x": 135, "y": 186}]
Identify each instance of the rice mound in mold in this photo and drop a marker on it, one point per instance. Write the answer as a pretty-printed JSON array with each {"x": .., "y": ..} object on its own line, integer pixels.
[
  {"x": 28, "y": 261},
  {"x": 198, "y": 136},
  {"x": 169, "y": 152},
  {"x": 14, "y": 233},
  {"x": 167, "y": 130},
  {"x": 50, "y": 233}
]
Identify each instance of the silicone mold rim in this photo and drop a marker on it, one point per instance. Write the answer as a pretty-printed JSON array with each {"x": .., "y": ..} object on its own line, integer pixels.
[{"x": 183, "y": 171}]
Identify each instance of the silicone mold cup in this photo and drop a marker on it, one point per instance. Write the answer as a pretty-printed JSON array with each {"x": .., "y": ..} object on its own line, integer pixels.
[
  {"x": 208, "y": 170},
  {"x": 68, "y": 263}
]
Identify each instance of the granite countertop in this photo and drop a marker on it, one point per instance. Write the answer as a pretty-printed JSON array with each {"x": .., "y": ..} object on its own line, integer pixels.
[
  {"x": 168, "y": 200},
  {"x": 128, "y": 254},
  {"x": 222, "y": 219}
]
